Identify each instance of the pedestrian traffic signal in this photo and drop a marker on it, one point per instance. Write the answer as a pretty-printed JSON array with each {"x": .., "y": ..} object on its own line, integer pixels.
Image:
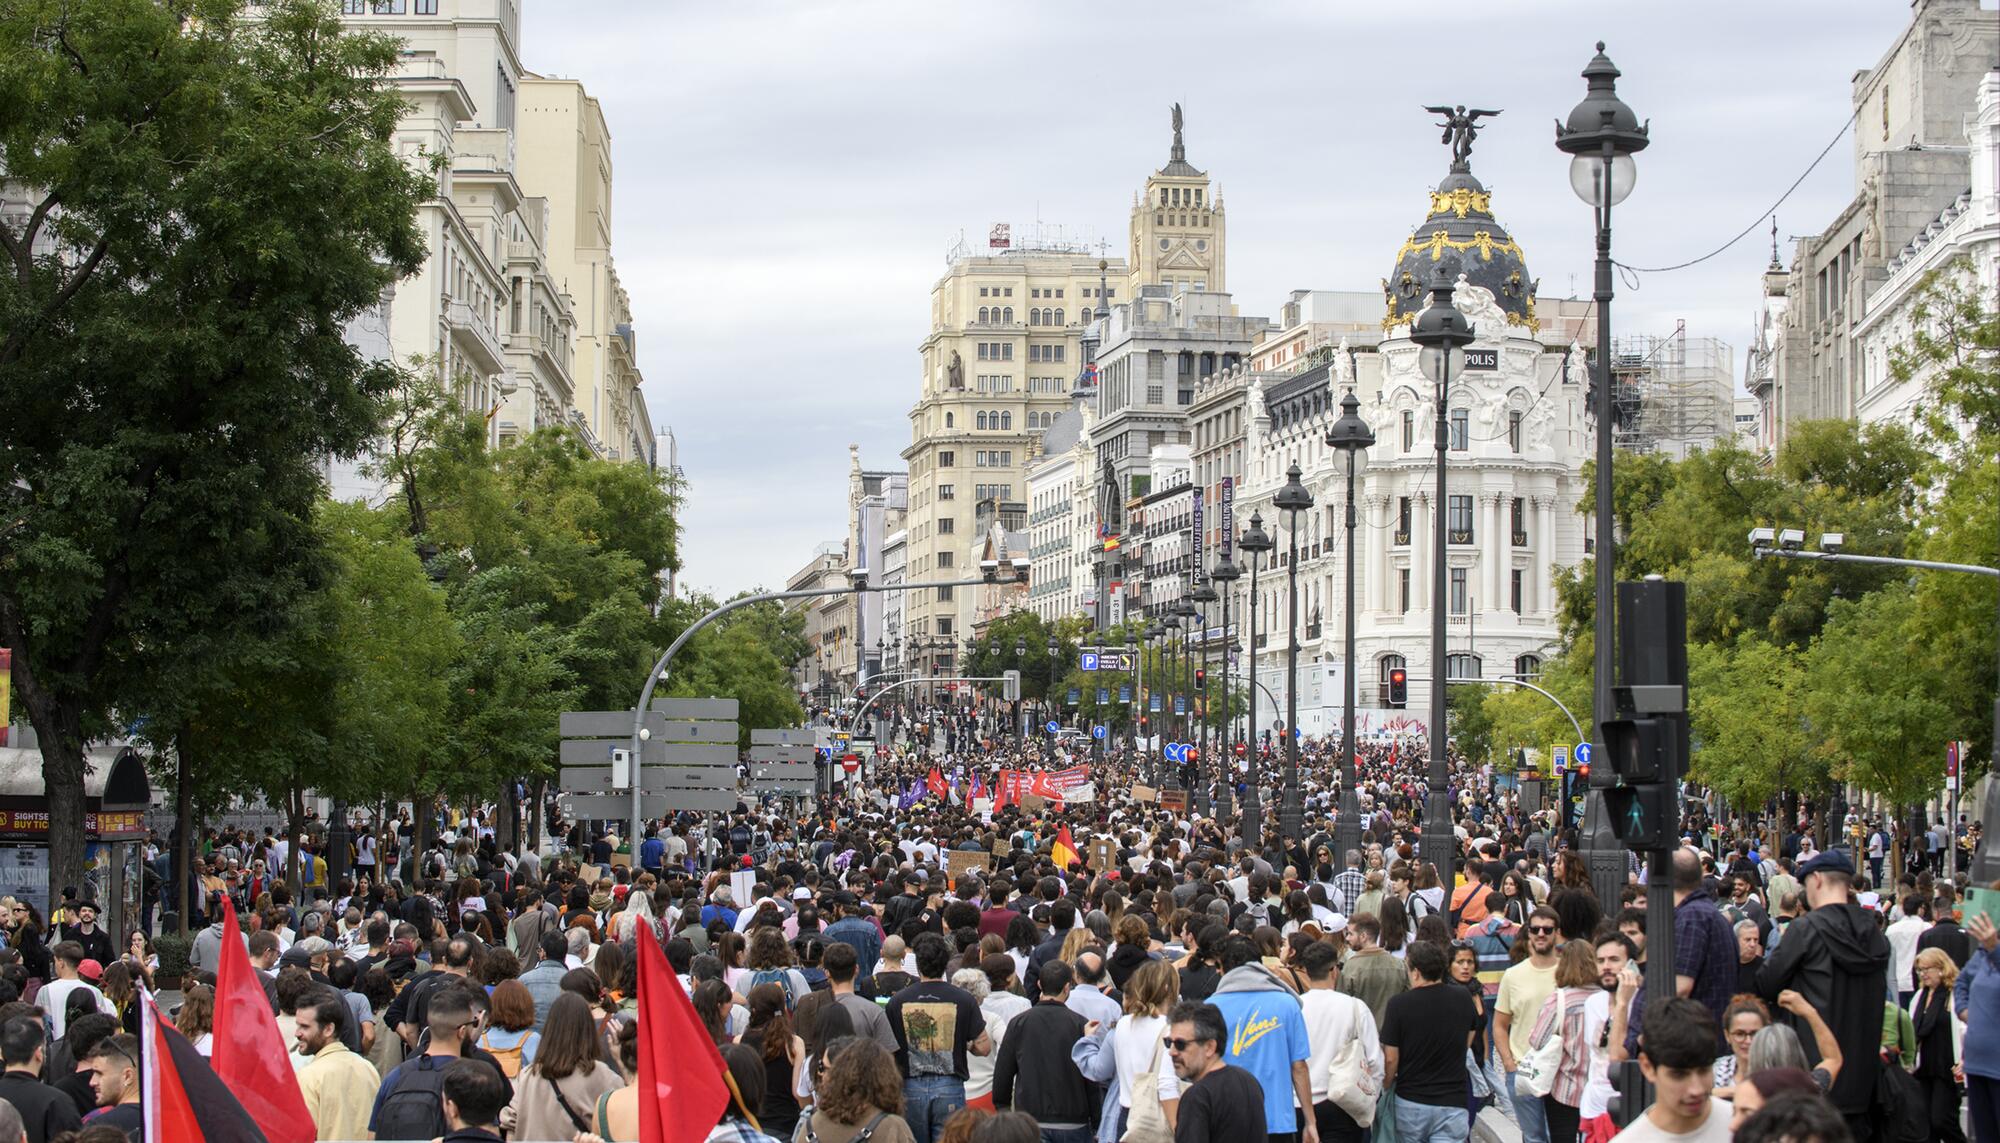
[
  {"x": 1399, "y": 687},
  {"x": 1200, "y": 679},
  {"x": 1644, "y": 817},
  {"x": 1640, "y": 750}
]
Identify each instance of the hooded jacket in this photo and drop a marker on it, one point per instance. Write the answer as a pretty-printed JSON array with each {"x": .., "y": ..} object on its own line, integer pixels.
[
  {"x": 1837, "y": 959},
  {"x": 1253, "y": 977}
]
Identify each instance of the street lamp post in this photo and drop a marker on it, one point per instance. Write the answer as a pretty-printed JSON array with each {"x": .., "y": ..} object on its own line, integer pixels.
[
  {"x": 1170, "y": 674},
  {"x": 1601, "y": 136},
  {"x": 1134, "y": 652},
  {"x": 1293, "y": 499},
  {"x": 1055, "y": 703},
  {"x": 1153, "y": 634},
  {"x": 1350, "y": 434},
  {"x": 1020, "y": 719},
  {"x": 1254, "y": 543},
  {"x": 1226, "y": 573},
  {"x": 1204, "y": 595},
  {"x": 1443, "y": 333},
  {"x": 1184, "y": 611}
]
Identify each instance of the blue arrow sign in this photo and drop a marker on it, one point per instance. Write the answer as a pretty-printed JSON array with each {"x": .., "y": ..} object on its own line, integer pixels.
[
  {"x": 1053, "y": 726},
  {"x": 1087, "y": 661},
  {"x": 1098, "y": 732},
  {"x": 1583, "y": 753}
]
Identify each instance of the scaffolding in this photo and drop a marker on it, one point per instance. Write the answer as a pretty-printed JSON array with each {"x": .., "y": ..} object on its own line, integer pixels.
[{"x": 1673, "y": 394}]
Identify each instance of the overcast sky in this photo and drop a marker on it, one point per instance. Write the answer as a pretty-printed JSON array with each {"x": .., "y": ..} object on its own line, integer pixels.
[{"x": 788, "y": 177}]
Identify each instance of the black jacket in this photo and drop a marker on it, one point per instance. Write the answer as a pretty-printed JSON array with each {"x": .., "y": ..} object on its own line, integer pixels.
[
  {"x": 45, "y": 1111},
  {"x": 1043, "y": 953},
  {"x": 1034, "y": 1073},
  {"x": 1946, "y": 935},
  {"x": 1837, "y": 958}
]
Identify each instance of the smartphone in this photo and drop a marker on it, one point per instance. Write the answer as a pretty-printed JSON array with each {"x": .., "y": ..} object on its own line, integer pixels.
[{"x": 1979, "y": 901}]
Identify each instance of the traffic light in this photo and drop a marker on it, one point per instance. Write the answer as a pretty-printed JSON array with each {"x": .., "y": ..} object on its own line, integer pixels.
[
  {"x": 1641, "y": 750},
  {"x": 1010, "y": 687},
  {"x": 1644, "y": 817},
  {"x": 1399, "y": 687},
  {"x": 1200, "y": 679}
]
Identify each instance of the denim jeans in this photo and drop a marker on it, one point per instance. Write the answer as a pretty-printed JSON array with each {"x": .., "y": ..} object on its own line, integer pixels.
[
  {"x": 1067, "y": 1135},
  {"x": 930, "y": 1100},
  {"x": 1428, "y": 1123},
  {"x": 1528, "y": 1114}
]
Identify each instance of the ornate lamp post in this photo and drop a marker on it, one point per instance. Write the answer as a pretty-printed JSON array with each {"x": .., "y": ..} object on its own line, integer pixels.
[
  {"x": 1020, "y": 724},
  {"x": 1443, "y": 333},
  {"x": 1226, "y": 573},
  {"x": 1138, "y": 685},
  {"x": 1601, "y": 137},
  {"x": 1054, "y": 702},
  {"x": 1350, "y": 434},
  {"x": 1184, "y": 612},
  {"x": 1292, "y": 499},
  {"x": 1203, "y": 595},
  {"x": 1254, "y": 543}
]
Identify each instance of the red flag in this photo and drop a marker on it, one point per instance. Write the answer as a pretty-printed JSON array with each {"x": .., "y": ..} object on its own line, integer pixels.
[
  {"x": 180, "y": 1093},
  {"x": 678, "y": 1062},
  {"x": 250, "y": 1056},
  {"x": 936, "y": 782}
]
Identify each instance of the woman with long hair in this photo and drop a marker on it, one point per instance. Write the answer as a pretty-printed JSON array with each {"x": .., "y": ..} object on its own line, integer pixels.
[
  {"x": 732, "y": 949},
  {"x": 1395, "y": 927},
  {"x": 140, "y": 955},
  {"x": 1135, "y": 1039},
  {"x": 196, "y": 1019},
  {"x": 1741, "y": 1021},
  {"x": 711, "y": 1001},
  {"x": 1520, "y": 898},
  {"x": 861, "y": 1090},
  {"x": 1562, "y": 1015},
  {"x": 123, "y": 994},
  {"x": 25, "y": 937},
  {"x": 553, "y": 1097},
  {"x": 781, "y": 1053}
]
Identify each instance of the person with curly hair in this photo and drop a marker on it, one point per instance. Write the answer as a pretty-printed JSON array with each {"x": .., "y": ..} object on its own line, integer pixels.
[{"x": 862, "y": 1091}]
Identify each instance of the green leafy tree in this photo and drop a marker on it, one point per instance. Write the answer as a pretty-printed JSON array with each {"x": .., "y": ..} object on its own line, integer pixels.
[
  {"x": 1747, "y": 715},
  {"x": 1470, "y": 722},
  {"x": 209, "y": 201},
  {"x": 1875, "y": 700},
  {"x": 740, "y": 656}
]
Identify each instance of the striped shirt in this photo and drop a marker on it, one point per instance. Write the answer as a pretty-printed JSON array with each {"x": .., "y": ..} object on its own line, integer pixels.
[{"x": 1566, "y": 1005}]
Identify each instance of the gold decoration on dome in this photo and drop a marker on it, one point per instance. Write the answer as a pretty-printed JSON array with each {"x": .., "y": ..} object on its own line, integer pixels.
[
  {"x": 1439, "y": 242},
  {"x": 1461, "y": 200},
  {"x": 1528, "y": 319}
]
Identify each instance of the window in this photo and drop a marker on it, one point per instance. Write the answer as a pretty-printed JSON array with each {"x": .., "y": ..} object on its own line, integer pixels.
[
  {"x": 427, "y": 7},
  {"x": 1528, "y": 666},
  {"x": 944, "y": 596},
  {"x": 979, "y": 422},
  {"x": 944, "y": 559},
  {"x": 1459, "y": 519},
  {"x": 1006, "y": 348},
  {"x": 947, "y": 420},
  {"x": 1461, "y": 666},
  {"x": 983, "y": 348},
  {"x": 1459, "y": 601},
  {"x": 1059, "y": 294},
  {"x": 1403, "y": 518},
  {"x": 1403, "y": 590},
  {"x": 1059, "y": 313},
  {"x": 389, "y": 7},
  {"x": 353, "y": 7},
  {"x": 1060, "y": 350},
  {"x": 982, "y": 315},
  {"x": 946, "y": 525},
  {"x": 1460, "y": 435},
  {"x": 1034, "y": 318},
  {"x": 1517, "y": 511},
  {"x": 1409, "y": 442},
  {"x": 944, "y": 623},
  {"x": 1006, "y": 421},
  {"x": 982, "y": 291},
  {"x": 1390, "y": 663},
  {"x": 946, "y": 458},
  {"x": 1035, "y": 293},
  {"x": 1514, "y": 430},
  {"x": 1008, "y": 292},
  {"x": 944, "y": 492},
  {"x": 1008, "y": 317},
  {"x": 1514, "y": 584}
]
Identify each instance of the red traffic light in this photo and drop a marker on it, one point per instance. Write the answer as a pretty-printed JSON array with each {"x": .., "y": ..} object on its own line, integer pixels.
[
  {"x": 1200, "y": 679},
  {"x": 1399, "y": 686}
]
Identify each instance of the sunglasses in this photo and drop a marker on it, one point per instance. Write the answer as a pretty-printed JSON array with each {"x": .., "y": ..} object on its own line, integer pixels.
[
  {"x": 1176, "y": 1044},
  {"x": 1541, "y": 930}
]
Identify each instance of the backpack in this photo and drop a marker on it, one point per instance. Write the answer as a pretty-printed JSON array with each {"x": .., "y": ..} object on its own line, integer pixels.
[
  {"x": 415, "y": 1109},
  {"x": 1900, "y": 1110},
  {"x": 781, "y": 977},
  {"x": 509, "y": 1059}
]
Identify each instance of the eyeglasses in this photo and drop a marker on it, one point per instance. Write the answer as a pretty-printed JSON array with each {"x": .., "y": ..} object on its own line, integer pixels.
[
  {"x": 1541, "y": 930},
  {"x": 1176, "y": 1044},
  {"x": 1743, "y": 1034}
]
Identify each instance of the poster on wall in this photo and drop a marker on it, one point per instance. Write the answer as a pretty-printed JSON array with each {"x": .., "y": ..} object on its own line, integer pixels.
[{"x": 24, "y": 874}]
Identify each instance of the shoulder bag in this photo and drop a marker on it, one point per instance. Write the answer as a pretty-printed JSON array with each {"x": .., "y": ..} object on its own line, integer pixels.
[
  {"x": 1148, "y": 1120},
  {"x": 1535, "y": 1073}
]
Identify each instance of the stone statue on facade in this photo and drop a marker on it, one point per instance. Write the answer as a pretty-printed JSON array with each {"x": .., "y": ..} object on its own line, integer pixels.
[
  {"x": 1461, "y": 127},
  {"x": 954, "y": 372}
]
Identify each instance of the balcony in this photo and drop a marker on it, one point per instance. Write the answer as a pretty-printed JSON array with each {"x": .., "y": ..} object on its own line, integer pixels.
[
  {"x": 475, "y": 337},
  {"x": 1459, "y": 536}
]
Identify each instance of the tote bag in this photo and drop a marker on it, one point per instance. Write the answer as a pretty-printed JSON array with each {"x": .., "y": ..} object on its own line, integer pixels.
[
  {"x": 1147, "y": 1122},
  {"x": 1535, "y": 1074}
]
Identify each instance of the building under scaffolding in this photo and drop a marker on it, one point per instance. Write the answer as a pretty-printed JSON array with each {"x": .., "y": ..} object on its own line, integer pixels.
[{"x": 1673, "y": 394}]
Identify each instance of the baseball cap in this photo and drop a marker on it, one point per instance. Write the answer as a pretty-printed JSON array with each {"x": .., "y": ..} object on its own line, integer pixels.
[
  {"x": 1830, "y": 861},
  {"x": 802, "y": 893},
  {"x": 90, "y": 970}
]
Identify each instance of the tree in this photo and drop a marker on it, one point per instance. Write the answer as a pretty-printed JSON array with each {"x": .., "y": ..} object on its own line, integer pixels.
[
  {"x": 210, "y": 201},
  {"x": 1469, "y": 721},
  {"x": 1747, "y": 713},
  {"x": 1883, "y": 729}
]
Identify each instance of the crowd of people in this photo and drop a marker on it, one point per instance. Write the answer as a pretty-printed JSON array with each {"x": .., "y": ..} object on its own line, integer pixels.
[{"x": 1102, "y": 969}]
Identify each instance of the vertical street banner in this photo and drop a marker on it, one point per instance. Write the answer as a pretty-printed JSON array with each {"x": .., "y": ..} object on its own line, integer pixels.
[
  {"x": 6, "y": 691},
  {"x": 1228, "y": 496},
  {"x": 1117, "y": 608},
  {"x": 1200, "y": 570}
]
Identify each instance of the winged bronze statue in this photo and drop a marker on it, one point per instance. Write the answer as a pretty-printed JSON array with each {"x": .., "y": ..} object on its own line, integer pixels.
[{"x": 1461, "y": 127}]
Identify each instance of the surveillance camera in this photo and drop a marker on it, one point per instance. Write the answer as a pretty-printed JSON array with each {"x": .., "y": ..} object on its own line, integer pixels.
[
  {"x": 1831, "y": 541},
  {"x": 1792, "y": 539},
  {"x": 989, "y": 566},
  {"x": 1762, "y": 537}
]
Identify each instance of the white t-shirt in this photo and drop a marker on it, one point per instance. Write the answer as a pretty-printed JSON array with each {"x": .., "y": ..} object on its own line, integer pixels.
[
  {"x": 1132, "y": 1045},
  {"x": 53, "y": 999},
  {"x": 1714, "y": 1129},
  {"x": 1597, "y": 1089},
  {"x": 1333, "y": 1019}
]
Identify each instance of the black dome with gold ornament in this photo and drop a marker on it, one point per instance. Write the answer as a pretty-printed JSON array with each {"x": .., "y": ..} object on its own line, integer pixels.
[{"x": 1461, "y": 227}]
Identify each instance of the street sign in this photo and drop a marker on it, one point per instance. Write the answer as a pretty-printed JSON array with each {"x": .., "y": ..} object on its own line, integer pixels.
[
  {"x": 584, "y": 751},
  {"x": 1560, "y": 753},
  {"x": 1087, "y": 661},
  {"x": 1156, "y": 704},
  {"x": 796, "y": 736},
  {"x": 615, "y": 807},
  {"x": 1103, "y": 695},
  {"x": 599, "y": 779},
  {"x": 1074, "y": 695},
  {"x": 697, "y": 709},
  {"x": 1125, "y": 693},
  {"x": 601, "y": 724},
  {"x": 1053, "y": 726},
  {"x": 673, "y": 731},
  {"x": 1583, "y": 753},
  {"x": 850, "y": 763},
  {"x": 1099, "y": 732},
  {"x": 1180, "y": 704}
]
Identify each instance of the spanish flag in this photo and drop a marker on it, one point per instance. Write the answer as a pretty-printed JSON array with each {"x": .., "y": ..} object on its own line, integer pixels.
[{"x": 1064, "y": 850}]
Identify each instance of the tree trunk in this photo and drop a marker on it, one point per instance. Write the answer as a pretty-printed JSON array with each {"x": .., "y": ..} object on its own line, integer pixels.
[
  {"x": 183, "y": 828},
  {"x": 58, "y": 723}
]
